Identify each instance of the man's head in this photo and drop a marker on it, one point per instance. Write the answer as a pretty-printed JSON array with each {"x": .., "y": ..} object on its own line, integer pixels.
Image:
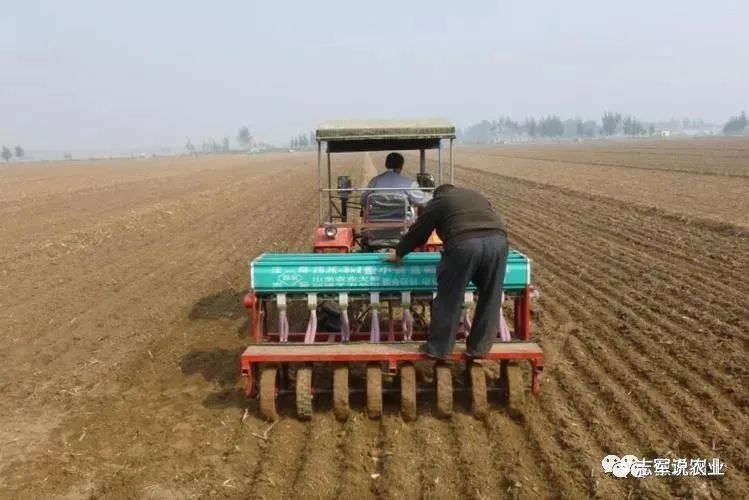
[
  {"x": 394, "y": 162},
  {"x": 443, "y": 189}
]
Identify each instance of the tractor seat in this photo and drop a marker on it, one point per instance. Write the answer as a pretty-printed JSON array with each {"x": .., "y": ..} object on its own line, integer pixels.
[{"x": 385, "y": 206}]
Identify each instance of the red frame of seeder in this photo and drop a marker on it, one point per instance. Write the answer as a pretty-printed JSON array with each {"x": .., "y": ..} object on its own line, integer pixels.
[{"x": 361, "y": 351}]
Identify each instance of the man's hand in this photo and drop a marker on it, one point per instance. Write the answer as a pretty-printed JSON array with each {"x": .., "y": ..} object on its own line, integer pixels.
[{"x": 394, "y": 258}]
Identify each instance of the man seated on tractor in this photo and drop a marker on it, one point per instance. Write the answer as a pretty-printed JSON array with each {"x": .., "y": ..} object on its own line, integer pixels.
[{"x": 392, "y": 178}]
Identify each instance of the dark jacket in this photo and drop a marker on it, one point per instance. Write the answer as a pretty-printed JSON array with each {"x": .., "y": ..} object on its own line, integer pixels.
[{"x": 457, "y": 214}]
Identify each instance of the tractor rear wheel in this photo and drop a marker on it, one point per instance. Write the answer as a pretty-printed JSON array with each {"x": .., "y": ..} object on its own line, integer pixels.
[
  {"x": 267, "y": 393},
  {"x": 304, "y": 393},
  {"x": 340, "y": 393},
  {"x": 478, "y": 390},
  {"x": 408, "y": 391},
  {"x": 443, "y": 379},
  {"x": 374, "y": 390}
]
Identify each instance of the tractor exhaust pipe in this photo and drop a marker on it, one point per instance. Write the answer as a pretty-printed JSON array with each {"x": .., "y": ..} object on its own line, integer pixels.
[{"x": 344, "y": 184}]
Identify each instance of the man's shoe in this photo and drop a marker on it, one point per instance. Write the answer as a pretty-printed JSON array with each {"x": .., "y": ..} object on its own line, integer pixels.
[
  {"x": 475, "y": 357},
  {"x": 425, "y": 350}
]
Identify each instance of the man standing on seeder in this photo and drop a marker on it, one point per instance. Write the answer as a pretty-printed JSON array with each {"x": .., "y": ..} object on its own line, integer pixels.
[{"x": 474, "y": 249}]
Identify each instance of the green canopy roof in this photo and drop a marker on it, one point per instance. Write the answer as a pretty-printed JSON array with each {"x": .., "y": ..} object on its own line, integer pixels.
[{"x": 363, "y": 130}]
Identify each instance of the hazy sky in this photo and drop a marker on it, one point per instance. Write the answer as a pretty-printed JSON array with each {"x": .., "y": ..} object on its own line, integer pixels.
[{"x": 105, "y": 74}]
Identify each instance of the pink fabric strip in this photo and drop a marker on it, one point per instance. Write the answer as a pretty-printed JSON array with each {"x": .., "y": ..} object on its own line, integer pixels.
[
  {"x": 504, "y": 332},
  {"x": 345, "y": 327},
  {"x": 309, "y": 336},
  {"x": 408, "y": 323},
  {"x": 283, "y": 325}
]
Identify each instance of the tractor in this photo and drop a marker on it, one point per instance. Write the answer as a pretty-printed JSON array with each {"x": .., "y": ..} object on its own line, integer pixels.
[{"x": 366, "y": 317}]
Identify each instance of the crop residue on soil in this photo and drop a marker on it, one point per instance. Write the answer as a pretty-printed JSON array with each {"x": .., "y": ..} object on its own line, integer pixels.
[{"x": 122, "y": 324}]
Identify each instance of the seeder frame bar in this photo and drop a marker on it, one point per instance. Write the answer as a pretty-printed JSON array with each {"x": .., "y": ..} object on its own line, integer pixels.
[{"x": 391, "y": 353}]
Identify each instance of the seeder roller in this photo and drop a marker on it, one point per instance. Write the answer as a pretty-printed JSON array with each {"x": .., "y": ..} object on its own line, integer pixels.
[{"x": 341, "y": 309}]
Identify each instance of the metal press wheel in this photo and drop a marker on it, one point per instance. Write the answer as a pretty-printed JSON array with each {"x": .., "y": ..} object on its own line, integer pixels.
[
  {"x": 408, "y": 391},
  {"x": 340, "y": 393},
  {"x": 304, "y": 393},
  {"x": 443, "y": 381},
  {"x": 514, "y": 386},
  {"x": 268, "y": 390},
  {"x": 374, "y": 391},
  {"x": 478, "y": 391}
]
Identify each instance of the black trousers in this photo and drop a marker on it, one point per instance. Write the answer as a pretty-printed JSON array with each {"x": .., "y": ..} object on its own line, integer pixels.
[{"x": 482, "y": 260}]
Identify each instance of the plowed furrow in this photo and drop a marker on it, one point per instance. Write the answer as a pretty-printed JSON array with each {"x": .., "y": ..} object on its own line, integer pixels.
[
  {"x": 573, "y": 162},
  {"x": 439, "y": 474},
  {"x": 610, "y": 274},
  {"x": 692, "y": 316},
  {"x": 513, "y": 460},
  {"x": 637, "y": 419},
  {"x": 317, "y": 476},
  {"x": 381, "y": 457},
  {"x": 151, "y": 261},
  {"x": 86, "y": 314},
  {"x": 616, "y": 232},
  {"x": 400, "y": 474},
  {"x": 217, "y": 252},
  {"x": 473, "y": 454},
  {"x": 218, "y": 249},
  {"x": 604, "y": 427},
  {"x": 281, "y": 459},
  {"x": 663, "y": 285},
  {"x": 633, "y": 321},
  {"x": 674, "y": 413},
  {"x": 58, "y": 213},
  {"x": 576, "y": 422},
  {"x": 565, "y": 469},
  {"x": 62, "y": 212},
  {"x": 113, "y": 252},
  {"x": 622, "y": 395},
  {"x": 676, "y": 241},
  {"x": 627, "y": 324},
  {"x": 355, "y": 476},
  {"x": 582, "y": 418},
  {"x": 136, "y": 324},
  {"x": 645, "y": 195},
  {"x": 540, "y": 245}
]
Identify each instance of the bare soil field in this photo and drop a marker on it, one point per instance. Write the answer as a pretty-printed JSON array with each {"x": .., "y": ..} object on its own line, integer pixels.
[
  {"x": 121, "y": 327},
  {"x": 700, "y": 178},
  {"x": 711, "y": 156}
]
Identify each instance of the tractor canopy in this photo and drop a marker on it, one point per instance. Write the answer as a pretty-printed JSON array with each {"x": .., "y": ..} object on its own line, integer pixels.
[{"x": 348, "y": 136}]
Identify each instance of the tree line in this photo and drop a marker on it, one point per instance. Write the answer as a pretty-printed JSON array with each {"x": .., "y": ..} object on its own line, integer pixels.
[
  {"x": 736, "y": 124},
  {"x": 7, "y": 153},
  {"x": 485, "y": 131},
  {"x": 244, "y": 139},
  {"x": 610, "y": 124},
  {"x": 303, "y": 141},
  {"x": 552, "y": 126}
]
